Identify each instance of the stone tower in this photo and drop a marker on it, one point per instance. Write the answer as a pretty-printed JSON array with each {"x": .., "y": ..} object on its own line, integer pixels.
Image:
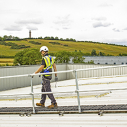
[{"x": 30, "y": 34}]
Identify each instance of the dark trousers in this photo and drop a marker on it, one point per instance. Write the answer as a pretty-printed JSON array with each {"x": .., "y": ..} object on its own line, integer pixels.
[{"x": 46, "y": 88}]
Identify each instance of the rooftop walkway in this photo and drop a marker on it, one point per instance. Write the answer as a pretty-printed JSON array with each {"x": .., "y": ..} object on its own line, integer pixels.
[{"x": 103, "y": 104}]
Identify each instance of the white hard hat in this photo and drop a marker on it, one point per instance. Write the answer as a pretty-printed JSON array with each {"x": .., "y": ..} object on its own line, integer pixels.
[{"x": 44, "y": 48}]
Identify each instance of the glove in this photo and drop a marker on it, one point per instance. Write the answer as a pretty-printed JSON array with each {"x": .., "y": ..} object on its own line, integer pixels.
[{"x": 56, "y": 78}]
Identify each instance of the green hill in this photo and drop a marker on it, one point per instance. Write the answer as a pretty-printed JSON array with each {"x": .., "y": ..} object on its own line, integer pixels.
[{"x": 57, "y": 45}]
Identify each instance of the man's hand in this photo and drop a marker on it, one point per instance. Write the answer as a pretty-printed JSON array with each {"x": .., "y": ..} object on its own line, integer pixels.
[{"x": 56, "y": 78}]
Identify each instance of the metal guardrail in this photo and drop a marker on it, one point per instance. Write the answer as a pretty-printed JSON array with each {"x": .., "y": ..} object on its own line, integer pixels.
[{"x": 77, "y": 87}]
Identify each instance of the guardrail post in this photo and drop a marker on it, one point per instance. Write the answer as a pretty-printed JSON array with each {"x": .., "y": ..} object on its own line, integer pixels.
[
  {"x": 77, "y": 90},
  {"x": 32, "y": 95}
]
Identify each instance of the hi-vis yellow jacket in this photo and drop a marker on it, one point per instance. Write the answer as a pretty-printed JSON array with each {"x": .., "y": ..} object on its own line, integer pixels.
[{"x": 49, "y": 61}]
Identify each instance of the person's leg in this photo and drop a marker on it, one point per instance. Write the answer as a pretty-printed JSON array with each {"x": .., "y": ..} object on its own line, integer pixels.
[
  {"x": 43, "y": 97},
  {"x": 48, "y": 89}
]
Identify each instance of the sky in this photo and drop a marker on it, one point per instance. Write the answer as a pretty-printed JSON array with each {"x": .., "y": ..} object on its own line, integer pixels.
[{"x": 84, "y": 20}]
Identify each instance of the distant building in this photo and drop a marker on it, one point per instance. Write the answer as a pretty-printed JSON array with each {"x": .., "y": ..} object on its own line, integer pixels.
[
  {"x": 107, "y": 59},
  {"x": 111, "y": 60},
  {"x": 30, "y": 34}
]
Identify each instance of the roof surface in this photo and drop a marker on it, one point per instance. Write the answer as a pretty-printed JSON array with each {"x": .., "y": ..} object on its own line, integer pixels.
[{"x": 98, "y": 91}]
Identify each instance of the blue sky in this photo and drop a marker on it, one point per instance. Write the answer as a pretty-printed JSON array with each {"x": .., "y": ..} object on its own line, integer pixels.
[{"x": 85, "y": 20}]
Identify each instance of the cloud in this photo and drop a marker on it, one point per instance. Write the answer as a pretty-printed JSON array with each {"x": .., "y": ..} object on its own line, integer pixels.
[
  {"x": 13, "y": 28},
  {"x": 105, "y": 5},
  {"x": 65, "y": 28},
  {"x": 57, "y": 28},
  {"x": 100, "y": 18},
  {"x": 30, "y": 21},
  {"x": 125, "y": 28},
  {"x": 117, "y": 41},
  {"x": 32, "y": 28},
  {"x": 63, "y": 21},
  {"x": 116, "y": 30},
  {"x": 100, "y": 24}
]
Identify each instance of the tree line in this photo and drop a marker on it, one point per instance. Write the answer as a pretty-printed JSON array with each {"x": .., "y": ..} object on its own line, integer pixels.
[
  {"x": 13, "y": 45},
  {"x": 36, "y": 43},
  {"x": 123, "y": 54},
  {"x": 57, "y": 43},
  {"x": 32, "y": 57},
  {"x": 9, "y": 38},
  {"x": 61, "y": 39}
]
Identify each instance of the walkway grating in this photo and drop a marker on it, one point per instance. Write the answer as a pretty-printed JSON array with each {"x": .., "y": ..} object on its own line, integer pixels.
[{"x": 69, "y": 109}]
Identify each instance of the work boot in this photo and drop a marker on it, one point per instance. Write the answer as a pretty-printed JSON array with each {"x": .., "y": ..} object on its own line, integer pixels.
[
  {"x": 39, "y": 104},
  {"x": 53, "y": 105}
]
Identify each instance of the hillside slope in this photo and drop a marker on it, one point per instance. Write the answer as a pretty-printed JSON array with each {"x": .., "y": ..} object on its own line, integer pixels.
[{"x": 85, "y": 47}]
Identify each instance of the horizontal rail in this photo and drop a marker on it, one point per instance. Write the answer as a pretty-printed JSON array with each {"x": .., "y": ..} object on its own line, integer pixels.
[
  {"x": 14, "y": 76},
  {"x": 29, "y": 75},
  {"x": 67, "y": 71},
  {"x": 101, "y": 68},
  {"x": 32, "y": 93},
  {"x": 101, "y": 90}
]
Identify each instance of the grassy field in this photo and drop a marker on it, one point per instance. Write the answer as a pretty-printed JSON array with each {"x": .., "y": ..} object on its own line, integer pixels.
[
  {"x": 6, "y": 61},
  {"x": 85, "y": 47}
]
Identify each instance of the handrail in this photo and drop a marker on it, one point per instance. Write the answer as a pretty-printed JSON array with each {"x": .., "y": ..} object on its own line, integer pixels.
[
  {"x": 67, "y": 71},
  {"x": 64, "y": 92},
  {"x": 29, "y": 75},
  {"x": 101, "y": 68}
]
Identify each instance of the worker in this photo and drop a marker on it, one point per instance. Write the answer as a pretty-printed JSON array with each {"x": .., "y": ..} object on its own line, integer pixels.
[{"x": 46, "y": 66}]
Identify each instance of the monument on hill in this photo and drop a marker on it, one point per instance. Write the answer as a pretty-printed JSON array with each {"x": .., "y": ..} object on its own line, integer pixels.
[{"x": 30, "y": 34}]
